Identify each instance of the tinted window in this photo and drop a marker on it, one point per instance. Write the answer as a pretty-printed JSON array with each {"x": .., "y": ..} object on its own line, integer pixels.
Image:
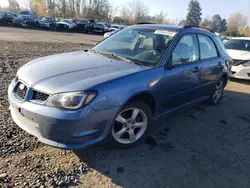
[
  {"x": 186, "y": 50},
  {"x": 235, "y": 44},
  {"x": 2, "y": 13},
  {"x": 207, "y": 47}
]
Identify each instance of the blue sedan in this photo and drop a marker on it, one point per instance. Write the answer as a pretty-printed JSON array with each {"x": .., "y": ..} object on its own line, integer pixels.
[{"x": 119, "y": 89}]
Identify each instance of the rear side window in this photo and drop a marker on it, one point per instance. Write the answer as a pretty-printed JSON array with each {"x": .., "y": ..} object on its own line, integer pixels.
[{"x": 207, "y": 47}]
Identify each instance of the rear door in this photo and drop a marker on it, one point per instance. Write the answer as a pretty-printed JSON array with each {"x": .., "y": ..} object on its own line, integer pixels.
[
  {"x": 211, "y": 65},
  {"x": 182, "y": 77}
]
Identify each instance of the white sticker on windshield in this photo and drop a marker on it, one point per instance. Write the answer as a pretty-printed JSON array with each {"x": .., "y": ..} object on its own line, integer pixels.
[{"x": 165, "y": 32}]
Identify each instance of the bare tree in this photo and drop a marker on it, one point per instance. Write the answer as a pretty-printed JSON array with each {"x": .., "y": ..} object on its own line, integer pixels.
[
  {"x": 13, "y": 6},
  {"x": 135, "y": 11},
  {"x": 237, "y": 23}
]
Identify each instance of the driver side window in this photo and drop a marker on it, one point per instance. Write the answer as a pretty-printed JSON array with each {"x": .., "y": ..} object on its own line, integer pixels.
[{"x": 186, "y": 50}]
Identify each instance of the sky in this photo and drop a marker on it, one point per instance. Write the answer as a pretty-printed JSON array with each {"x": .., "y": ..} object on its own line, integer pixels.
[{"x": 177, "y": 9}]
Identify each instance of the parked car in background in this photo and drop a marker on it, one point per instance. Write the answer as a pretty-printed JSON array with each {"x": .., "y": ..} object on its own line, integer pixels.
[
  {"x": 225, "y": 39},
  {"x": 108, "y": 34},
  {"x": 83, "y": 26},
  {"x": 118, "y": 90},
  {"x": 28, "y": 12},
  {"x": 100, "y": 27},
  {"x": 91, "y": 24},
  {"x": 239, "y": 50},
  {"x": 25, "y": 21},
  {"x": 114, "y": 27},
  {"x": 6, "y": 18},
  {"x": 65, "y": 24},
  {"x": 40, "y": 17},
  {"x": 47, "y": 22}
]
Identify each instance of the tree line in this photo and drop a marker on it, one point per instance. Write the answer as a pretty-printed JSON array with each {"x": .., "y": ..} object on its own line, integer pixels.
[{"x": 132, "y": 12}]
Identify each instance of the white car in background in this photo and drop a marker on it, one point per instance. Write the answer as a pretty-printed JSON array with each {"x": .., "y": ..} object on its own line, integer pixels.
[
  {"x": 112, "y": 30},
  {"x": 65, "y": 24},
  {"x": 108, "y": 34},
  {"x": 239, "y": 50}
]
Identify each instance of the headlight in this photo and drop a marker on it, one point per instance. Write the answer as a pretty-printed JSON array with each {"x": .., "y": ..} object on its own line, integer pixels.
[
  {"x": 72, "y": 100},
  {"x": 247, "y": 64}
]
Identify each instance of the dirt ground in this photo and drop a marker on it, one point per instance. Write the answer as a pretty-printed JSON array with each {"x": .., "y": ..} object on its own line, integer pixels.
[
  {"x": 19, "y": 34},
  {"x": 200, "y": 146}
]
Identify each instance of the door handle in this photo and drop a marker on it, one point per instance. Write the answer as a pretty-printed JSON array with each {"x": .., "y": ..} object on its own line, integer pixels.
[{"x": 196, "y": 69}]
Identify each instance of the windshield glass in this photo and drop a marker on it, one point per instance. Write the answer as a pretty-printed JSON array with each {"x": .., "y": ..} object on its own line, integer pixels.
[
  {"x": 235, "y": 44},
  {"x": 68, "y": 21},
  {"x": 22, "y": 16},
  {"x": 139, "y": 44},
  {"x": 24, "y": 12},
  {"x": 115, "y": 26},
  {"x": 46, "y": 19},
  {"x": 83, "y": 21},
  {"x": 2, "y": 13}
]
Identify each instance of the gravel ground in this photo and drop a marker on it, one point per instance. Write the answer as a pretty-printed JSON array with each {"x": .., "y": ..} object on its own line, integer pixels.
[{"x": 201, "y": 146}]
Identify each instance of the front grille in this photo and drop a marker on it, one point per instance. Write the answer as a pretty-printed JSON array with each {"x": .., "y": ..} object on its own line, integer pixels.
[
  {"x": 39, "y": 96},
  {"x": 21, "y": 90}
]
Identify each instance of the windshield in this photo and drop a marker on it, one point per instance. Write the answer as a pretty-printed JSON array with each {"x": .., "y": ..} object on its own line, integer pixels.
[
  {"x": 100, "y": 24},
  {"x": 68, "y": 21},
  {"x": 115, "y": 26},
  {"x": 24, "y": 12},
  {"x": 235, "y": 44},
  {"x": 2, "y": 13},
  {"x": 22, "y": 16},
  {"x": 83, "y": 21},
  {"x": 47, "y": 19},
  {"x": 139, "y": 44}
]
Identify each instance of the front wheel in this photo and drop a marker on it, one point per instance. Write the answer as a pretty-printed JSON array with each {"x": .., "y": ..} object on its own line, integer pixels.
[
  {"x": 131, "y": 125},
  {"x": 218, "y": 92}
]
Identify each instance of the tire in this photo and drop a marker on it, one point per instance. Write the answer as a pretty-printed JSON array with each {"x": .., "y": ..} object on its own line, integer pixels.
[
  {"x": 215, "y": 97},
  {"x": 133, "y": 129}
]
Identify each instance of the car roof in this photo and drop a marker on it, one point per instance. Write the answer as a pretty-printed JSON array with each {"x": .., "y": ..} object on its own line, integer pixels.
[
  {"x": 159, "y": 26},
  {"x": 175, "y": 28},
  {"x": 241, "y": 38}
]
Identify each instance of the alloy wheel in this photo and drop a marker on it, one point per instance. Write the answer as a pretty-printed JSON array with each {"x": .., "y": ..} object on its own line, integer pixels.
[
  {"x": 130, "y": 125},
  {"x": 218, "y": 91}
]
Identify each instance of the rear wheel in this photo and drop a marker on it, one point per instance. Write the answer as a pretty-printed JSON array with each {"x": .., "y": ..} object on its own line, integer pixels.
[
  {"x": 131, "y": 125},
  {"x": 218, "y": 92}
]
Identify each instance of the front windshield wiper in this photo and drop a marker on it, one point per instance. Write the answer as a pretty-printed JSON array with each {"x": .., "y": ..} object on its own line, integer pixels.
[
  {"x": 126, "y": 59},
  {"x": 110, "y": 54}
]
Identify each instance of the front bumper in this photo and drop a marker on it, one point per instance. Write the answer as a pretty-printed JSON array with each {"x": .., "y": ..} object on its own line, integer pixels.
[
  {"x": 241, "y": 72},
  {"x": 60, "y": 128}
]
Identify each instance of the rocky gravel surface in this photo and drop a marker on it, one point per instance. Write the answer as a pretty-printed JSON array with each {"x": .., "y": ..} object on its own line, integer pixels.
[
  {"x": 12, "y": 56},
  {"x": 201, "y": 146}
]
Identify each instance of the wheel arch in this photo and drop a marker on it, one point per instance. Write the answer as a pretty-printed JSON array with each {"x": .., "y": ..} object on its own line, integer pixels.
[{"x": 145, "y": 97}]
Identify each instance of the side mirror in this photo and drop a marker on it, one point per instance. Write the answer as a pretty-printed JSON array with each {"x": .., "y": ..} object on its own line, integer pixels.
[{"x": 169, "y": 65}]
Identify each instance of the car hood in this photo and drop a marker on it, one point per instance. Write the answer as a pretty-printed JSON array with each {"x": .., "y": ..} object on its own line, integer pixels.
[
  {"x": 66, "y": 23},
  {"x": 239, "y": 54},
  {"x": 73, "y": 71}
]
